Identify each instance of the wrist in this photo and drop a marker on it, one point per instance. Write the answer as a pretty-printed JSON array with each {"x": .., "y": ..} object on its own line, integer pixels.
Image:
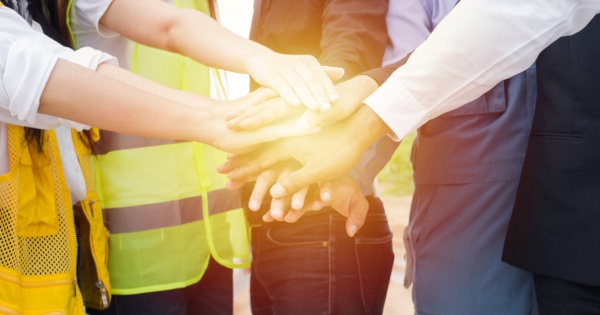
[
  {"x": 256, "y": 58},
  {"x": 366, "y": 127}
]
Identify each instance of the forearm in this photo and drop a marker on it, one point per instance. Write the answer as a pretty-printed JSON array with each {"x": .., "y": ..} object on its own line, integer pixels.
[
  {"x": 366, "y": 127},
  {"x": 185, "y": 31},
  {"x": 127, "y": 77},
  {"x": 215, "y": 45},
  {"x": 82, "y": 95},
  {"x": 377, "y": 155},
  {"x": 354, "y": 91}
]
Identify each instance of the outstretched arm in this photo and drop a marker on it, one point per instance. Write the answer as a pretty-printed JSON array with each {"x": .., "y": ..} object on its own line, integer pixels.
[
  {"x": 298, "y": 78},
  {"x": 458, "y": 62},
  {"x": 93, "y": 98}
]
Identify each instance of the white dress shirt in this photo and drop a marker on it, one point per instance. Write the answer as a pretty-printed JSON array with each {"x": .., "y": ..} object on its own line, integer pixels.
[{"x": 479, "y": 43}]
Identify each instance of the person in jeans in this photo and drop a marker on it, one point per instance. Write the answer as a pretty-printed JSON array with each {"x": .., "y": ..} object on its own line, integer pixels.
[{"x": 312, "y": 266}]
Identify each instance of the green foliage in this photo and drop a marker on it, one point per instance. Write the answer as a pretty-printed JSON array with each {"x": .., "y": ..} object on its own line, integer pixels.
[{"x": 396, "y": 178}]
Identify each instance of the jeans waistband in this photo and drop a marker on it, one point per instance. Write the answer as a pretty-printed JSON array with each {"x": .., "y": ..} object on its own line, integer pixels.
[{"x": 255, "y": 217}]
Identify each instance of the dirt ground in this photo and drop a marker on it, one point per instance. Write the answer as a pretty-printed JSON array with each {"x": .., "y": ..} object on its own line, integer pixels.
[{"x": 398, "y": 301}]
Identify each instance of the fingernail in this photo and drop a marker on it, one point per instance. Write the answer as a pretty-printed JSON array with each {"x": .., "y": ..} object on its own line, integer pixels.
[
  {"x": 316, "y": 205},
  {"x": 276, "y": 212},
  {"x": 302, "y": 125},
  {"x": 243, "y": 124},
  {"x": 277, "y": 191},
  {"x": 231, "y": 114},
  {"x": 254, "y": 205},
  {"x": 297, "y": 203},
  {"x": 352, "y": 230},
  {"x": 296, "y": 102}
]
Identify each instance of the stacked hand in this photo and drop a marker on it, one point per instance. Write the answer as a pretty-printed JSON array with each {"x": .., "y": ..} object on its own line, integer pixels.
[
  {"x": 307, "y": 172},
  {"x": 342, "y": 194},
  {"x": 299, "y": 79},
  {"x": 244, "y": 141}
]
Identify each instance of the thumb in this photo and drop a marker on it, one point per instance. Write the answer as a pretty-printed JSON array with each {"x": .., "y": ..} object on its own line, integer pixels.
[
  {"x": 308, "y": 120},
  {"x": 357, "y": 216},
  {"x": 262, "y": 94},
  {"x": 334, "y": 73}
]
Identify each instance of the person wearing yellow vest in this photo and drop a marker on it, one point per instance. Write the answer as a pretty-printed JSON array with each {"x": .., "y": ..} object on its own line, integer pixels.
[
  {"x": 176, "y": 232},
  {"x": 41, "y": 232},
  {"x": 47, "y": 85}
]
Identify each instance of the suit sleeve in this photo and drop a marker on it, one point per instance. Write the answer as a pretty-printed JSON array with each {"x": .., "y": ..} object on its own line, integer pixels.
[{"x": 354, "y": 35}]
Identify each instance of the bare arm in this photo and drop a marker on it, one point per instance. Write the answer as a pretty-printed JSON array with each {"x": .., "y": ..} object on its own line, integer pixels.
[
  {"x": 82, "y": 95},
  {"x": 79, "y": 94},
  {"x": 299, "y": 79},
  {"x": 147, "y": 85}
]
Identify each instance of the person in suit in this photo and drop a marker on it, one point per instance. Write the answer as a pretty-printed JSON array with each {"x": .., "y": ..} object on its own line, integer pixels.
[{"x": 466, "y": 167}]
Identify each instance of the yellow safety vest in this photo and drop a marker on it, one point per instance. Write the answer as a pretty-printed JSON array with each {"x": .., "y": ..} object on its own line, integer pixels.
[
  {"x": 93, "y": 265},
  {"x": 166, "y": 206},
  {"x": 38, "y": 256}
]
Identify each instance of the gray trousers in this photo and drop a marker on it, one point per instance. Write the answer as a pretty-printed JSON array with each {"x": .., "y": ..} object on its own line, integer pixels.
[{"x": 455, "y": 237}]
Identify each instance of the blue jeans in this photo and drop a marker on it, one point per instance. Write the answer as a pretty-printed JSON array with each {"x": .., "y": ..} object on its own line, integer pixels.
[
  {"x": 213, "y": 294},
  {"x": 313, "y": 267}
]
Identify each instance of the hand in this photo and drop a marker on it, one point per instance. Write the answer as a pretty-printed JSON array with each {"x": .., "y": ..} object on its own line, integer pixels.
[
  {"x": 342, "y": 194},
  {"x": 317, "y": 196},
  {"x": 265, "y": 180},
  {"x": 262, "y": 114},
  {"x": 346, "y": 198},
  {"x": 324, "y": 156},
  {"x": 352, "y": 92},
  {"x": 244, "y": 141},
  {"x": 299, "y": 79}
]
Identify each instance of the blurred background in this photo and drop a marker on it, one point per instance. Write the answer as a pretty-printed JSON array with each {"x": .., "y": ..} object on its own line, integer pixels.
[{"x": 395, "y": 180}]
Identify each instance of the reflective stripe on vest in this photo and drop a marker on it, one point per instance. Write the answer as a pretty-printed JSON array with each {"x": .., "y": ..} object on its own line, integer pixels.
[
  {"x": 39, "y": 251},
  {"x": 166, "y": 206},
  {"x": 137, "y": 218}
]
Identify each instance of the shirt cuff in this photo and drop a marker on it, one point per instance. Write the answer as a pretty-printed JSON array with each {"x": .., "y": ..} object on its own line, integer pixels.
[
  {"x": 88, "y": 57},
  {"x": 28, "y": 69},
  {"x": 398, "y": 108}
]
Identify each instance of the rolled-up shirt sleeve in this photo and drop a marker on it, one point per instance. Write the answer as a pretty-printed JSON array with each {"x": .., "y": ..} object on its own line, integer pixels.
[
  {"x": 27, "y": 60},
  {"x": 479, "y": 43},
  {"x": 28, "y": 67},
  {"x": 88, "y": 14}
]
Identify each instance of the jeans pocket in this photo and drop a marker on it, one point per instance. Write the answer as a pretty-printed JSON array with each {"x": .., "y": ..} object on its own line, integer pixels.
[
  {"x": 375, "y": 261},
  {"x": 314, "y": 233}
]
